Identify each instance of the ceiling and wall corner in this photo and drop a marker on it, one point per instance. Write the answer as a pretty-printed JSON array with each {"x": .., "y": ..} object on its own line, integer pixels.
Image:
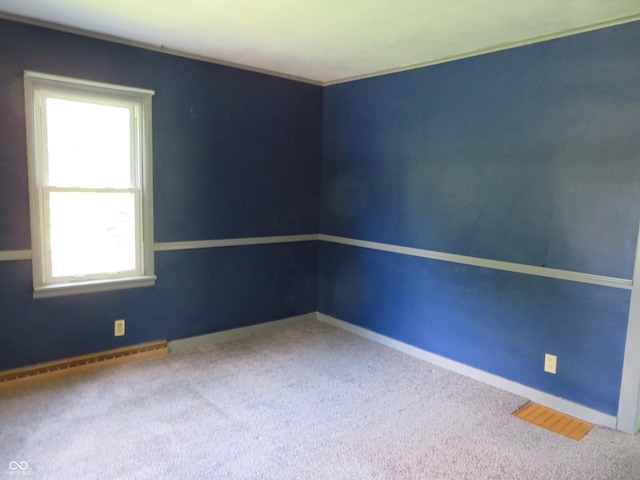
[{"x": 326, "y": 42}]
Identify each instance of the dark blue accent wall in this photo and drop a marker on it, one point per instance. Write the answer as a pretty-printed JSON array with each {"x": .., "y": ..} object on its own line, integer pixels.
[
  {"x": 529, "y": 155},
  {"x": 197, "y": 292},
  {"x": 236, "y": 154}
]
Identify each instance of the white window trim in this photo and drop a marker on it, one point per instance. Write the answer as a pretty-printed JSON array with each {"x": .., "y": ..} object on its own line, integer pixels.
[{"x": 33, "y": 81}]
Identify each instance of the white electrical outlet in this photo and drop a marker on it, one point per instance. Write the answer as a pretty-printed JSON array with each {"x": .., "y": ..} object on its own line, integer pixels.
[
  {"x": 550, "y": 363},
  {"x": 118, "y": 329}
]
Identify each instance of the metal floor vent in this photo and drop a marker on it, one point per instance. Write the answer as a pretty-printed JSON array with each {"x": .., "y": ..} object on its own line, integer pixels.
[
  {"x": 554, "y": 421},
  {"x": 82, "y": 364}
]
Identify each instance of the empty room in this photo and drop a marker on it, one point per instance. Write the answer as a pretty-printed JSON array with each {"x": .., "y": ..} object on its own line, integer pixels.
[{"x": 320, "y": 240}]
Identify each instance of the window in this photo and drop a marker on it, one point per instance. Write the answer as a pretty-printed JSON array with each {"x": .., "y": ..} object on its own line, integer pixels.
[{"x": 90, "y": 184}]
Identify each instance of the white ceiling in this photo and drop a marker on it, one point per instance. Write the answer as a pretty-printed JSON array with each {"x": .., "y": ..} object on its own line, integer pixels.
[{"x": 325, "y": 41}]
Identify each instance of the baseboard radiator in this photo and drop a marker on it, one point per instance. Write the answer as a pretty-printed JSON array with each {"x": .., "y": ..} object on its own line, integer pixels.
[{"x": 81, "y": 364}]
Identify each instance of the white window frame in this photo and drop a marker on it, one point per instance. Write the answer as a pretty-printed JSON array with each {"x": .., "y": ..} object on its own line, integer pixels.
[{"x": 38, "y": 85}]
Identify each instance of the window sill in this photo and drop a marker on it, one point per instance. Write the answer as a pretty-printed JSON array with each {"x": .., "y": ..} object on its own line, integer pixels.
[{"x": 92, "y": 286}]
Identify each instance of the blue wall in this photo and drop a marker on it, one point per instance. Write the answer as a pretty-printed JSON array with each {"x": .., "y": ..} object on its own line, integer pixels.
[
  {"x": 236, "y": 154},
  {"x": 529, "y": 155}
]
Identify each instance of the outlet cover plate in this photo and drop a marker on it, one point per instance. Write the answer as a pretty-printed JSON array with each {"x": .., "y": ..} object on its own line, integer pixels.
[
  {"x": 118, "y": 329},
  {"x": 550, "y": 363}
]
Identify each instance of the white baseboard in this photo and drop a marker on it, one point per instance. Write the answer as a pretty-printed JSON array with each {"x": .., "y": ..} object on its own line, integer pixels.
[
  {"x": 190, "y": 343},
  {"x": 543, "y": 398},
  {"x": 538, "y": 396}
]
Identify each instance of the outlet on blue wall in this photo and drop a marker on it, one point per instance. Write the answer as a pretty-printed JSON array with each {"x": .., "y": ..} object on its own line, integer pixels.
[
  {"x": 236, "y": 154},
  {"x": 529, "y": 155}
]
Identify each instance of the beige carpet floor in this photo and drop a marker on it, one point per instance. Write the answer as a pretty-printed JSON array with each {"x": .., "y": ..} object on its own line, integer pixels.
[{"x": 306, "y": 402}]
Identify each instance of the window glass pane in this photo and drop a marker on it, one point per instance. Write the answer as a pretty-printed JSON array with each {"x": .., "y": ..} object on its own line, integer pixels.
[
  {"x": 92, "y": 233},
  {"x": 88, "y": 144}
]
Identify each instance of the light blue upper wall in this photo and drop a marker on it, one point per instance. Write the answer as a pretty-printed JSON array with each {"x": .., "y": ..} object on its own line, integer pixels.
[{"x": 529, "y": 155}]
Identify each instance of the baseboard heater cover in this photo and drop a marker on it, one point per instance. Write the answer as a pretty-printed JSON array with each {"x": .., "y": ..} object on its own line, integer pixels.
[{"x": 81, "y": 364}]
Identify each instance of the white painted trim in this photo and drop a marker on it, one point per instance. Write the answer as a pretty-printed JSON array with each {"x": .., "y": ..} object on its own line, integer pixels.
[
  {"x": 170, "y": 51},
  {"x": 495, "y": 48},
  {"x": 538, "y": 396},
  {"x": 87, "y": 84},
  {"x": 190, "y": 343},
  {"x": 629, "y": 405},
  {"x": 485, "y": 263},
  {"x": 416, "y": 252},
  {"x": 155, "y": 48},
  {"x": 232, "y": 242},
  {"x": 9, "y": 255},
  {"x": 39, "y": 86},
  {"x": 93, "y": 286}
]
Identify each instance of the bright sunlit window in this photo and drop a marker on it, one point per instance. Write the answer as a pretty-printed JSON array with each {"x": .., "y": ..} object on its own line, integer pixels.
[{"x": 90, "y": 185}]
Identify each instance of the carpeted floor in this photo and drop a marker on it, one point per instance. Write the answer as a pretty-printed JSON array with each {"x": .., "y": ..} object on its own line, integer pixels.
[{"x": 307, "y": 402}]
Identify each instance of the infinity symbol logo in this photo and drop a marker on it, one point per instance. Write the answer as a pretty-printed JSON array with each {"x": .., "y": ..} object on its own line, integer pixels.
[{"x": 16, "y": 465}]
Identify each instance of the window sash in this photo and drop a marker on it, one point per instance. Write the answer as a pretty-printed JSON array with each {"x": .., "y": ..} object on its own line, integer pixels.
[
  {"x": 138, "y": 269},
  {"x": 135, "y": 128}
]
